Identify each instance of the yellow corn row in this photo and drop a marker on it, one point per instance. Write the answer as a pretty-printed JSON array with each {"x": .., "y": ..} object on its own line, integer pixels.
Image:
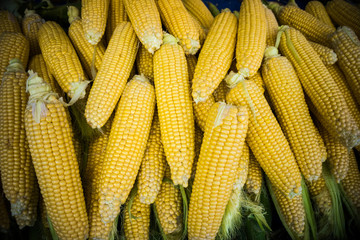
[
  {"x": 127, "y": 143},
  {"x": 321, "y": 88},
  {"x": 144, "y": 63},
  {"x": 201, "y": 110},
  {"x": 251, "y": 38},
  {"x": 320, "y": 194},
  {"x": 242, "y": 171},
  {"x": 259, "y": 81},
  {"x": 168, "y": 206},
  {"x": 312, "y": 28},
  {"x": 60, "y": 56},
  {"x": 180, "y": 24},
  {"x": 152, "y": 166},
  {"x": 199, "y": 10},
  {"x": 347, "y": 47},
  {"x": 174, "y": 108},
  {"x": 287, "y": 97},
  {"x": 50, "y": 139},
  {"x": 271, "y": 27},
  {"x": 116, "y": 15},
  {"x": 136, "y": 219},
  {"x": 94, "y": 14},
  {"x": 31, "y": 24},
  {"x": 317, "y": 9},
  {"x": 351, "y": 183},
  {"x": 264, "y": 133},
  {"x": 344, "y": 14},
  {"x": 191, "y": 63},
  {"x": 18, "y": 175},
  {"x": 114, "y": 72},
  {"x": 145, "y": 19},
  {"x": 200, "y": 29},
  {"x": 327, "y": 55},
  {"x": 216, "y": 171},
  {"x": 13, "y": 45},
  {"x": 8, "y": 22},
  {"x": 5, "y": 218},
  {"x": 83, "y": 48},
  {"x": 254, "y": 179},
  {"x": 220, "y": 92},
  {"x": 213, "y": 65}
]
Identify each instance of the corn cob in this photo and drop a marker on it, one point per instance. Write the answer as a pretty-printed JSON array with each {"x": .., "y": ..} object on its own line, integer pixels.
[
  {"x": 254, "y": 179},
  {"x": 317, "y": 9},
  {"x": 144, "y": 63},
  {"x": 191, "y": 63},
  {"x": 8, "y": 22},
  {"x": 152, "y": 166},
  {"x": 220, "y": 92},
  {"x": 312, "y": 28},
  {"x": 344, "y": 14},
  {"x": 136, "y": 219},
  {"x": 145, "y": 19},
  {"x": 288, "y": 99},
  {"x": 259, "y": 81},
  {"x": 5, "y": 219},
  {"x": 110, "y": 81},
  {"x": 94, "y": 15},
  {"x": 347, "y": 47},
  {"x": 271, "y": 27},
  {"x": 199, "y": 134},
  {"x": 181, "y": 24},
  {"x": 31, "y": 24},
  {"x": 212, "y": 66},
  {"x": 251, "y": 41},
  {"x": 174, "y": 108},
  {"x": 83, "y": 48},
  {"x": 216, "y": 172},
  {"x": 264, "y": 133},
  {"x": 242, "y": 171},
  {"x": 168, "y": 206},
  {"x": 202, "y": 31},
  {"x": 13, "y": 45},
  {"x": 61, "y": 58},
  {"x": 327, "y": 55},
  {"x": 127, "y": 143},
  {"x": 49, "y": 134},
  {"x": 116, "y": 15},
  {"x": 321, "y": 88},
  {"x": 351, "y": 183},
  {"x": 320, "y": 194},
  {"x": 18, "y": 175},
  {"x": 198, "y": 9}
]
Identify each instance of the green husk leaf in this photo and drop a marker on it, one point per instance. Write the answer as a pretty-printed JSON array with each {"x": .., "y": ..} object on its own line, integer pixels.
[
  {"x": 158, "y": 222},
  {"x": 213, "y": 9},
  {"x": 114, "y": 233},
  {"x": 52, "y": 230},
  {"x": 354, "y": 218},
  {"x": 310, "y": 223},
  {"x": 185, "y": 211}
]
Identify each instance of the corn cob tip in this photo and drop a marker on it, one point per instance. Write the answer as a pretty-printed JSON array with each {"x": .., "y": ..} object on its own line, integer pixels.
[
  {"x": 15, "y": 65},
  {"x": 232, "y": 79},
  {"x": 73, "y": 13},
  {"x": 348, "y": 32},
  {"x": 275, "y": 7},
  {"x": 28, "y": 12},
  {"x": 78, "y": 91},
  {"x": 169, "y": 39},
  {"x": 237, "y": 14},
  {"x": 223, "y": 110},
  {"x": 271, "y": 52},
  {"x": 191, "y": 46},
  {"x": 141, "y": 78},
  {"x": 93, "y": 36},
  {"x": 152, "y": 42}
]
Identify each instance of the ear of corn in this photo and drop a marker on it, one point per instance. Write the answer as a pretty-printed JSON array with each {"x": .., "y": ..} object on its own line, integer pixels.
[
  {"x": 127, "y": 143},
  {"x": 321, "y": 88},
  {"x": 264, "y": 133},
  {"x": 201, "y": 111},
  {"x": 271, "y": 27},
  {"x": 320, "y": 194},
  {"x": 221, "y": 91},
  {"x": 152, "y": 166},
  {"x": 144, "y": 63},
  {"x": 199, "y": 135},
  {"x": 191, "y": 63},
  {"x": 30, "y": 27},
  {"x": 174, "y": 109},
  {"x": 202, "y": 31},
  {"x": 344, "y": 14},
  {"x": 212, "y": 64},
  {"x": 351, "y": 183},
  {"x": 8, "y": 22},
  {"x": 116, "y": 15},
  {"x": 317, "y": 9},
  {"x": 17, "y": 171},
  {"x": 110, "y": 81},
  {"x": 94, "y": 15},
  {"x": 200, "y": 11},
  {"x": 50, "y": 139},
  {"x": 327, "y": 55},
  {"x": 254, "y": 179}
]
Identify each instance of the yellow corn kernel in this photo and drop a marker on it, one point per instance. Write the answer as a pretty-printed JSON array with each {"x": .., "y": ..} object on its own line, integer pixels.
[
  {"x": 114, "y": 72},
  {"x": 351, "y": 183},
  {"x": 126, "y": 146},
  {"x": 174, "y": 108},
  {"x": 152, "y": 166},
  {"x": 327, "y": 55},
  {"x": 320, "y": 194},
  {"x": 199, "y": 134},
  {"x": 180, "y": 24},
  {"x": 242, "y": 171},
  {"x": 13, "y": 45},
  {"x": 94, "y": 14},
  {"x": 116, "y": 15},
  {"x": 254, "y": 179},
  {"x": 17, "y": 171},
  {"x": 52, "y": 150},
  {"x": 60, "y": 56},
  {"x": 220, "y": 92},
  {"x": 191, "y": 63},
  {"x": 344, "y": 14},
  {"x": 317, "y": 9},
  {"x": 8, "y": 22},
  {"x": 213, "y": 65},
  {"x": 259, "y": 81},
  {"x": 144, "y": 63},
  {"x": 5, "y": 218},
  {"x": 31, "y": 24},
  {"x": 347, "y": 47},
  {"x": 168, "y": 206},
  {"x": 251, "y": 38},
  {"x": 312, "y": 28},
  {"x": 136, "y": 219},
  {"x": 199, "y": 10},
  {"x": 145, "y": 19},
  {"x": 264, "y": 133},
  {"x": 271, "y": 27},
  {"x": 217, "y": 168},
  {"x": 202, "y": 31},
  {"x": 288, "y": 100},
  {"x": 321, "y": 88}
]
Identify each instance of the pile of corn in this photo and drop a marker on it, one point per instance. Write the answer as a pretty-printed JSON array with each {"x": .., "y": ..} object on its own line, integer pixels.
[{"x": 189, "y": 111}]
